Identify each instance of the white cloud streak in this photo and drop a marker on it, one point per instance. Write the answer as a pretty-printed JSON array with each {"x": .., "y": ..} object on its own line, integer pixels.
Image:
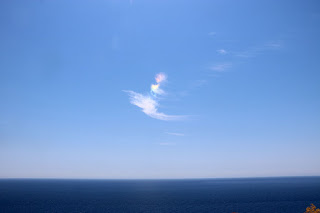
[
  {"x": 257, "y": 50},
  {"x": 222, "y": 51},
  {"x": 221, "y": 67},
  {"x": 175, "y": 133},
  {"x": 149, "y": 103},
  {"x": 150, "y": 106},
  {"x": 274, "y": 45}
]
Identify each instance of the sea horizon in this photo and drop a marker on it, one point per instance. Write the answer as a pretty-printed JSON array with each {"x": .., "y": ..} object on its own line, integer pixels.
[
  {"x": 188, "y": 178},
  {"x": 219, "y": 195}
]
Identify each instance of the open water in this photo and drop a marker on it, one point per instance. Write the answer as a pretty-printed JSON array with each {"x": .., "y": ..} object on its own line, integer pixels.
[{"x": 247, "y": 195}]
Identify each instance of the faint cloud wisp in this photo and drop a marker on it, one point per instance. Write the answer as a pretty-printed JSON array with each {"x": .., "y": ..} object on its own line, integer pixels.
[
  {"x": 220, "y": 67},
  {"x": 175, "y": 133},
  {"x": 149, "y": 103},
  {"x": 222, "y": 51},
  {"x": 257, "y": 50}
]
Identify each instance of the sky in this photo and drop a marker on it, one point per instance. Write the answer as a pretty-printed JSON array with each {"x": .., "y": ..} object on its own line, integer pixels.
[{"x": 159, "y": 89}]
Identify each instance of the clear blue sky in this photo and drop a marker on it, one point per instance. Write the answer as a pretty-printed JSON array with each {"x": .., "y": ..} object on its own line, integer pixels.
[{"x": 239, "y": 97}]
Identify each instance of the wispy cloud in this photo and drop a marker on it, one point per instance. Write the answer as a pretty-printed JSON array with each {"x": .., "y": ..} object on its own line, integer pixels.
[
  {"x": 235, "y": 57},
  {"x": 273, "y": 45},
  {"x": 149, "y": 106},
  {"x": 149, "y": 103},
  {"x": 212, "y": 33},
  {"x": 220, "y": 67},
  {"x": 257, "y": 50},
  {"x": 222, "y": 51},
  {"x": 175, "y": 133}
]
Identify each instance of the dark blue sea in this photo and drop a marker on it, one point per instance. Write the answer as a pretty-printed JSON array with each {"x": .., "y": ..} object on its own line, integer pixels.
[{"x": 247, "y": 195}]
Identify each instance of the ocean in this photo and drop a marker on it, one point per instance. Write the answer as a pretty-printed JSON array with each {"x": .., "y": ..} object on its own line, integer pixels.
[{"x": 247, "y": 195}]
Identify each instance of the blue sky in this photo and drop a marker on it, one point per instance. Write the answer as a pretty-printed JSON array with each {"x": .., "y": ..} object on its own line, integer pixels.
[{"x": 239, "y": 96}]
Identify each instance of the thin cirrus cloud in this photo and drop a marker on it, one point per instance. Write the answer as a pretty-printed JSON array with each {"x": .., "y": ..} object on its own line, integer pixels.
[
  {"x": 258, "y": 50},
  {"x": 222, "y": 51},
  {"x": 220, "y": 67},
  {"x": 175, "y": 133},
  {"x": 251, "y": 52},
  {"x": 149, "y": 103}
]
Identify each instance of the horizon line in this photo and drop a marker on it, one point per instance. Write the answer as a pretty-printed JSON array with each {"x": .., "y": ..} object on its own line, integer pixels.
[{"x": 258, "y": 177}]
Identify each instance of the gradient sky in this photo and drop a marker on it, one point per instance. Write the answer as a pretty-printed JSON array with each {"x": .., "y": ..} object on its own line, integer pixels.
[{"x": 242, "y": 88}]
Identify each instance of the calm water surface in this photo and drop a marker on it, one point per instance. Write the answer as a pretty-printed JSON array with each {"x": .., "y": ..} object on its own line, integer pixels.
[{"x": 251, "y": 195}]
